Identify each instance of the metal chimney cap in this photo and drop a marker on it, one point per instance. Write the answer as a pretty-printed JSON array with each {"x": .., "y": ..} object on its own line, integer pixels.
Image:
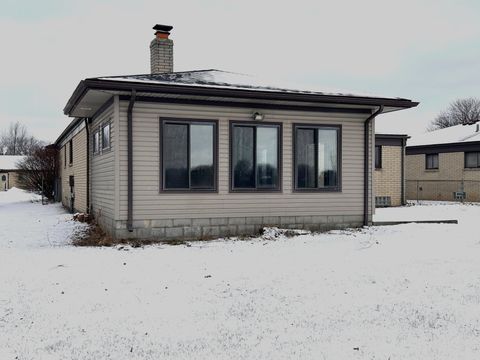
[{"x": 165, "y": 29}]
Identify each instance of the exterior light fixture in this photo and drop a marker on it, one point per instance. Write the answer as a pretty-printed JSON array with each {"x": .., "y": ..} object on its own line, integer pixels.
[{"x": 257, "y": 116}]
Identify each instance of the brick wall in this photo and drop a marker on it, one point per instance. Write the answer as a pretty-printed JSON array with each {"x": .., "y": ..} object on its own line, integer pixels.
[
  {"x": 439, "y": 184},
  {"x": 388, "y": 179},
  {"x": 161, "y": 56}
]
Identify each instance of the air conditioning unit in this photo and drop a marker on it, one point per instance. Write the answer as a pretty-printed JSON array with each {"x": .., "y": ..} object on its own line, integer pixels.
[{"x": 383, "y": 201}]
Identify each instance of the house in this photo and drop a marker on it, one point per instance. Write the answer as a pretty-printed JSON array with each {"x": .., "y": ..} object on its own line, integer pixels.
[
  {"x": 9, "y": 172},
  {"x": 389, "y": 178},
  {"x": 444, "y": 164},
  {"x": 207, "y": 153},
  {"x": 72, "y": 182}
]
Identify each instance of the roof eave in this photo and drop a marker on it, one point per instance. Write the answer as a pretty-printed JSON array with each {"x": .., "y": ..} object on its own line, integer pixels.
[{"x": 98, "y": 84}]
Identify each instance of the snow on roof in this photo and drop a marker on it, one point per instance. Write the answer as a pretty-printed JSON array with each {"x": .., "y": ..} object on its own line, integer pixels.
[
  {"x": 453, "y": 134},
  {"x": 224, "y": 79},
  {"x": 9, "y": 162}
]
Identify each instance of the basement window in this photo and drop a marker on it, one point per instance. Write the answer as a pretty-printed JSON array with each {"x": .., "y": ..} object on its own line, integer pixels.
[
  {"x": 431, "y": 161},
  {"x": 189, "y": 155}
]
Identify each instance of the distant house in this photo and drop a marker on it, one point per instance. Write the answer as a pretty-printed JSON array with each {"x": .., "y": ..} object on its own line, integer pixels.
[
  {"x": 198, "y": 154},
  {"x": 444, "y": 164},
  {"x": 389, "y": 178},
  {"x": 9, "y": 172}
]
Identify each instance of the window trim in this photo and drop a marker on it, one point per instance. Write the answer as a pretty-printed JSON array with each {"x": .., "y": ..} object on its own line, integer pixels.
[
  {"x": 279, "y": 126},
  {"x": 337, "y": 127},
  {"x": 380, "y": 167},
  {"x": 102, "y": 126},
  {"x": 188, "y": 121},
  {"x": 465, "y": 160},
  {"x": 426, "y": 161}
]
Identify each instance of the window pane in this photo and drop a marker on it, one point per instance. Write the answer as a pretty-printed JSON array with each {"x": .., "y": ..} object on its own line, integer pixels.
[
  {"x": 201, "y": 156},
  {"x": 106, "y": 137},
  {"x": 378, "y": 157},
  {"x": 327, "y": 157},
  {"x": 267, "y": 157},
  {"x": 435, "y": 161},
  {"x": 471, "y": 160},
  {"x": 175, "y": 156},
  {"x": 242, "y": 157},
  {"x": 305, "y": 158},
  {"x": 96, "y": 142}
]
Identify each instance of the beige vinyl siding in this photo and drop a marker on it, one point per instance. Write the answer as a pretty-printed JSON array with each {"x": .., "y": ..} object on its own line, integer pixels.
[
  {"x": 78, "y": 169},
  {"x": 150, "y": 204},
  {"x": 102, "y": 178}
]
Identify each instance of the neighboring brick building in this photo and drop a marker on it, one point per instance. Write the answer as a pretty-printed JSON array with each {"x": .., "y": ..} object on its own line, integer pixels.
[
  {"x": 9, "y": 175},
  {"x": 389, "y": 169},
  {"x": 444, "y": 164}
]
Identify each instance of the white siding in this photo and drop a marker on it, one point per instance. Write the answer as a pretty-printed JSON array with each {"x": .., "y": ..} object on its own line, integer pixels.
[{"x": 150, "y": 204}]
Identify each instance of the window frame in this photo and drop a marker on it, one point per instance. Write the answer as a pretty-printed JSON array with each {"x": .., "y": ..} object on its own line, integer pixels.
[
  {"x": 426, "y": 161},
  {"x": 465, "y": 159},
  {"x": 255, "y": 124},
  {"x": 380, "y": 162},
  {"x": 188, "y": 121},
  {"x": 103, "y": 126},
  {"x": 338, "y": 127}
]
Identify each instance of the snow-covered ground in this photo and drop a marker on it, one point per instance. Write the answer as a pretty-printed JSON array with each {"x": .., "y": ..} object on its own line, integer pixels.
[{"x": 401, "y": 292}]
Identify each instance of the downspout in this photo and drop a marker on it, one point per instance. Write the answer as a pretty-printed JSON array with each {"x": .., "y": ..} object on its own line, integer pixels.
[
  {"x": 403, "y": 170},
  {"x": 366, "y": 164},
  {"x": 88, "y": 164},
  {"x": 130, "y": 161}
]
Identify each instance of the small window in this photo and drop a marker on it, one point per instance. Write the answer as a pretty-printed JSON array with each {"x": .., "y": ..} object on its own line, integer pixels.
[
  {"x": 317, "y": 157},
  {"x": 189, "y": 155},
  {"x": 472, "y": 160},
  {"x": 106, "y": 136},
  {"x": 431, "y": 161},
  {"x": 378, "y": 157},
  {"x": 255, "y": 156},
  {"x": 65, "y": 156},
  {"x": 96, "y": 142},
  {"x": 70, "y": 154}
]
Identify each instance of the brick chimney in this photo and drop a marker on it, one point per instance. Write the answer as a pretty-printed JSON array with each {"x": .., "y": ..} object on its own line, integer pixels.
[{"x": 161, "y": 50}]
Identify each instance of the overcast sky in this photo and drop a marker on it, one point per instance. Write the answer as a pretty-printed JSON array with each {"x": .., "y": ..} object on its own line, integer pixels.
[{"x": 424, "y": 50}]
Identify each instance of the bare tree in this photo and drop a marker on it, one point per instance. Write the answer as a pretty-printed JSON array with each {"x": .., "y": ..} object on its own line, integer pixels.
[
  {"x": 17, "y": 141},
  {"x": 38, "y": 171},
  {"x": 461, "y": 111}
]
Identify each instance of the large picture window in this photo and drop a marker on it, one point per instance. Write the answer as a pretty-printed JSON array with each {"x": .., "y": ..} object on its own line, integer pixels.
[
  {"x": 255, "y": 156},
  {"x": 317, "y": 157},
  {"x": 189, "y": 155},
  {"x": 472, "y": 160}
]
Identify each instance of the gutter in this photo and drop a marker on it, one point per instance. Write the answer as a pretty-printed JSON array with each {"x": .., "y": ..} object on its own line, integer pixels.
[
  {"x": 130, "y": 161},
  {"x": 88, "y": 165},
  {"x": 366, "y": 165}
]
